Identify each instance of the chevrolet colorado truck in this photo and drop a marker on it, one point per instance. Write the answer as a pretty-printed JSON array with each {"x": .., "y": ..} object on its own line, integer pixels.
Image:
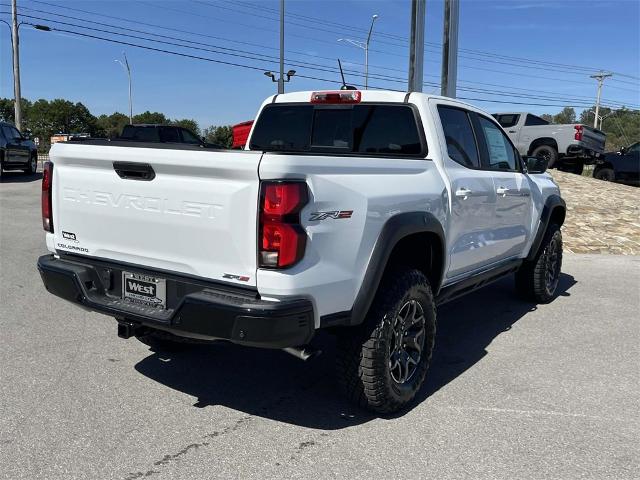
[
  {"x": 565, "y": 146},
  {"x": 353, "y": 211}
]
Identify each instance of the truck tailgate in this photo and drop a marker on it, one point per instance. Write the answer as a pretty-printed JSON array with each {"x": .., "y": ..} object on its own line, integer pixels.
[
  {"x": 197, "y": 216},
  {"x": 593, "y": 139}
]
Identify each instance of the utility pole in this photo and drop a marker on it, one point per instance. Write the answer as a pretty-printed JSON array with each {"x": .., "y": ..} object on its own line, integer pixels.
[
  {"x": 281, "y": 77},
  {"x": 600, "y": 78},
  {"x": 449, "y": 76},
  {"x": 416, "y": 45},
  {"x": 16, "y": 64}
]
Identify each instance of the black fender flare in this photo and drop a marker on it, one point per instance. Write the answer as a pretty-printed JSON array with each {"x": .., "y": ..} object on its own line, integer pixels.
[
  {"x": 551, "y": 204},
  {"x": 394, "y": 230}
]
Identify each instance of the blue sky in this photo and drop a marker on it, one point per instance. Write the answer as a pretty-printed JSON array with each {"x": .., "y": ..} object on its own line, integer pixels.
[{"x": 558, "y": 33}]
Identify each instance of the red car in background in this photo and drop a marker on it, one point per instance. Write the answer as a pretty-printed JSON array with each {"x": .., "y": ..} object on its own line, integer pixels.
[{"x": 241, "y": 133}]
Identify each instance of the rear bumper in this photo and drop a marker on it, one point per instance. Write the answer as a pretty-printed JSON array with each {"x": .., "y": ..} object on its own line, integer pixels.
[
  {"x": 195, "y": 308},
  {"x": 580, "y": 151}
]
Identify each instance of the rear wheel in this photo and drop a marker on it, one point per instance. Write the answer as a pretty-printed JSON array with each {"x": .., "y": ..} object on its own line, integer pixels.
[
  {"x": 383, "y": 362},
  {"x": 538, "y": 279},
  {"x": 549, "y": 153},
  {"x": 606, "y": 174}
]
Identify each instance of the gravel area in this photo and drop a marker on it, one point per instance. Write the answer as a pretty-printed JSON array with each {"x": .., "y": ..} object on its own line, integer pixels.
[{"x": 602, "y": 217}]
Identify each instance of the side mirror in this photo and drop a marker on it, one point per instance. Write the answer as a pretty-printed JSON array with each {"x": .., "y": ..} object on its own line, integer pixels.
[
  {"x": 536, "y": 164},
  {"x": 622, "y": 151},
  {"x": 26, "y": 135}
]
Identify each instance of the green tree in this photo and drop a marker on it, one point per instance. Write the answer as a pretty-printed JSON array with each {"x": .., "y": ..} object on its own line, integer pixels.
[
  {"x": 7, "y": 111},
  {"x": 111, "y": 125},
  {"x": 189, "y": 124},
  {"x": 567, "y": 115},
  {"x": 155, "y": 118},
  {"x": 221, "y": 135}
]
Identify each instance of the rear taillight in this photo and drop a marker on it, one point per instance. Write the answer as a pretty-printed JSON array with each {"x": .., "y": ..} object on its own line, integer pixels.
[
  {"x": 579, "y": 130},
  {"x": 281, "y": 239},
  {"x": 346, "y": 96},
  {"x": 47, "y": 211}
]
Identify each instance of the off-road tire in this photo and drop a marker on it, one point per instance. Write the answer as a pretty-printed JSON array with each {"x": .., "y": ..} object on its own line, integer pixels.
[
  {"x": 532, "y": 279},
  {"x": 549, "y": 153},
  {"x": 364, "y": 352},
  {"x": 605, "y": 174}
]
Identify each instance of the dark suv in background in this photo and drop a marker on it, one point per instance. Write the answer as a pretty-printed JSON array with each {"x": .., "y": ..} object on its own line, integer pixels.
[
  {"x": 17, "y": 152},
  {"x": 163, "y": 134},
  {"x": 622, "y": 166}
]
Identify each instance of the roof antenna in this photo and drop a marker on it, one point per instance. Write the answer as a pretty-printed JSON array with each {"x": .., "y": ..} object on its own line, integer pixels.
[{"x": 344, "y": 83}]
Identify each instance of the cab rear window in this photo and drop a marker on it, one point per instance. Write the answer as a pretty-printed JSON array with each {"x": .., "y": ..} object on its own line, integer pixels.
[{"x": 364, "y": 129}]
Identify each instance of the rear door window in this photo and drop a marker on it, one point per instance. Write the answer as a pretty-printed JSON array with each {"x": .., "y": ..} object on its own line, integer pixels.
[
  {"x": 364, "y": 129},
  {"x": 458, "y": 133},
  {"x": 532, "y": 120},
  {"x": 507, "y": 120}
]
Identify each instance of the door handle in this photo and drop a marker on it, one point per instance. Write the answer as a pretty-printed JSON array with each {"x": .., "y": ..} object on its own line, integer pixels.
[
  {"x": 502, "y": 191},
  {"x": 512, "y": 131},
  {"x": 463, "y": 192}
]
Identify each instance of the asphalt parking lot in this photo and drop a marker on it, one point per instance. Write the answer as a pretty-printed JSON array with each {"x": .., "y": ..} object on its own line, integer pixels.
[{"x": 515, "y": 390}]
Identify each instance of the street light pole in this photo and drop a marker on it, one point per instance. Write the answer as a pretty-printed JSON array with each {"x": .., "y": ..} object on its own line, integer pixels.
[
  {"x": 366, "y": 53},
  {"x": 365, "y": 47},
  {"x": 125, "y": 65},
  {"x": 16, "y": 64}
]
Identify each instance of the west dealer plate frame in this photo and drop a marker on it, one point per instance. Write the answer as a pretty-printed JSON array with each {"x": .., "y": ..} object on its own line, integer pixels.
[{"x": 144, "y": 289}]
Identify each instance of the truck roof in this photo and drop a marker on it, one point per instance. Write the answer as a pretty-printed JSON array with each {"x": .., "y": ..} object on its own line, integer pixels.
[{"x": 389, "y": 96}]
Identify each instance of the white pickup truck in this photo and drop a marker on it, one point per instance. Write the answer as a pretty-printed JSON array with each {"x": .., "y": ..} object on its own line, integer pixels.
[
  {"x": 352, "y": 211},
  {"x": 565, "y": 146}
]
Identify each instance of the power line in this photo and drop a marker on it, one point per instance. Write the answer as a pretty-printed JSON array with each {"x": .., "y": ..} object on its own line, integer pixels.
[
  {"x": 311, "y": 66},
  {"x": 563, "y": 66},
  {"x": 463, "y": 66},
  {"x": 197, "y": 57},
  {"x": 298, "y": 62}
]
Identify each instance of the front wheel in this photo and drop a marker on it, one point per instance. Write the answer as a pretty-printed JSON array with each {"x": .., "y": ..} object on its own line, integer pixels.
[
  {"x": 383, "y": 363},
  {"x": 606, "y": 174},
  {"x": 538, "y": 280},
  {"x": 32, "y": 166}
]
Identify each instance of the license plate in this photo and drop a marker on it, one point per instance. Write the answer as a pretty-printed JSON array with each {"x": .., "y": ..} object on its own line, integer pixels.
[{"x": 144, "y": 289}]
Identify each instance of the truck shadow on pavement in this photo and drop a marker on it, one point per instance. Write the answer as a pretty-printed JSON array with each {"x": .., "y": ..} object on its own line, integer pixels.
[{"x": 274, "y": 385}]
